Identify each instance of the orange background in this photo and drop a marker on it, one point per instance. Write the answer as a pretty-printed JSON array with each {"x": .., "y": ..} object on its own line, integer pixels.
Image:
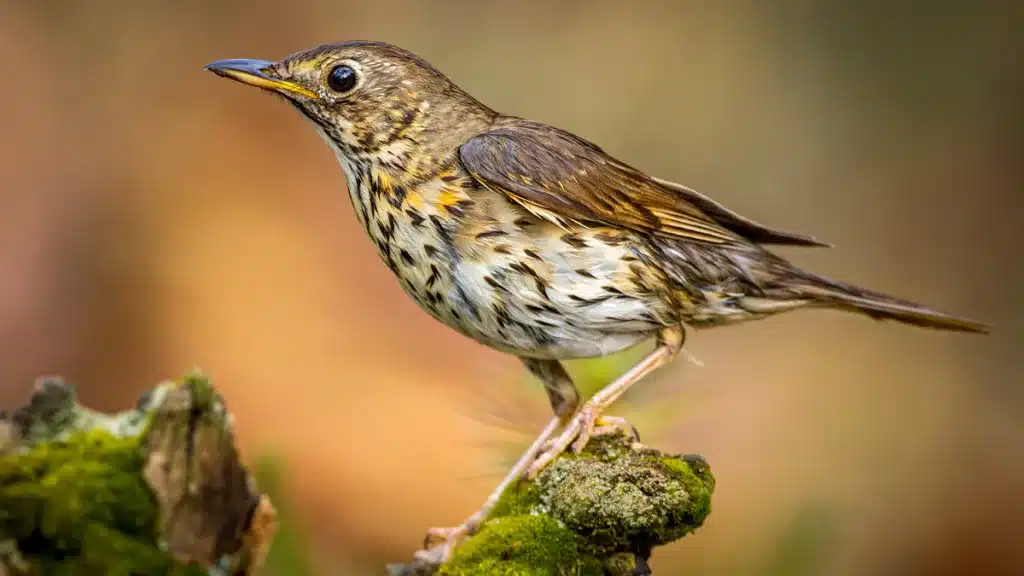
[{"x": 154, "y": 218}]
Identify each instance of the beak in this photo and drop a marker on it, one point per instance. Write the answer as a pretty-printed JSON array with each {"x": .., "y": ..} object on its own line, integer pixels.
[{"x": 259, "y": 73}]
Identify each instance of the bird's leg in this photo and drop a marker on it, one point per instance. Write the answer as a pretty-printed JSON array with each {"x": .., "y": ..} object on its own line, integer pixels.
[
  {"x": 565, "y": 399},
  {"x": 582, "y": 426}
]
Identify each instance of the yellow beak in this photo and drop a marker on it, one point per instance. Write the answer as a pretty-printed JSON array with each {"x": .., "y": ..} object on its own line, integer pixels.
[{"x": 258, "y": 73}]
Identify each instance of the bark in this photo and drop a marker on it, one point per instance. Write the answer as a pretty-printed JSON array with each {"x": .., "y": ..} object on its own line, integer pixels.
[{"x": 156, "y": 490}]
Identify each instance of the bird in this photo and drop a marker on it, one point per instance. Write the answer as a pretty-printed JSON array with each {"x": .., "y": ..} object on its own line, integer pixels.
[{"x": 537, "y": 243}]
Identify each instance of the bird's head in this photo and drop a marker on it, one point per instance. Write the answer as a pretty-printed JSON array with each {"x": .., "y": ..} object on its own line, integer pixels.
[{"x": 369, "y": 100}]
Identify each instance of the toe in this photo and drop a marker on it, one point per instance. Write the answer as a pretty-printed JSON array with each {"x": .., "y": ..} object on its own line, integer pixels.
[
  {"x": 435, "y": 535},
  {"x": 581, "y": 441},
  {"x": 586, "y": 420},
  {"x": 606, "y": 425},
  {"x": 537, "y": 466}
]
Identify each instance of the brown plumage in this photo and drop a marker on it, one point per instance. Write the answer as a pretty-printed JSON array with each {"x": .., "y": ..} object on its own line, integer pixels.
[{"x": 536, "y": 242}]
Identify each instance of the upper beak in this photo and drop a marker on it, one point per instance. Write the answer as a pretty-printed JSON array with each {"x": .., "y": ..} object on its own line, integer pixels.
[{"x": 259, "y": 73}]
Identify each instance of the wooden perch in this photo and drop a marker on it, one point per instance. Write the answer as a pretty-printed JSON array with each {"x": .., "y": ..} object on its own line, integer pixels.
[
  {"x": 157, "y": 490},
  {"x": 597, "y": 514}
]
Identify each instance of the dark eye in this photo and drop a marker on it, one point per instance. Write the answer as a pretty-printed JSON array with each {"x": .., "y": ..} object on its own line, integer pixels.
[{"x": 341, "y": 79}]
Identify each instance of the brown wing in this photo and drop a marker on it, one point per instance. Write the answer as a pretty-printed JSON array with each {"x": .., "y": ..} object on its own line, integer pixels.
[
  {"x": 565, "y": 179},
  {"x": 741, "y": 225}
]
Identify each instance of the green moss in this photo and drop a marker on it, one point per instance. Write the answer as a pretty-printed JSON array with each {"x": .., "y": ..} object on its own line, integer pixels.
[
  {"x": 534, "y": 545},
  {"x": 694, "y": 474},
  {"x": 80, "y": 504},
  {"x": 590, "y": 513},
  {"x": 519, "y": 498}
]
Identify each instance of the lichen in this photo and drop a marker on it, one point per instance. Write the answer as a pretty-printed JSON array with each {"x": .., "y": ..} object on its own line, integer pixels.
[{"x": 599, "y": 512}]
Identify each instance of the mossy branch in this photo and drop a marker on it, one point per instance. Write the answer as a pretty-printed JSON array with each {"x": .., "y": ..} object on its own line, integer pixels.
[
  {"x": 600, "y": 513},
  {"x": 157, "y": 490}
]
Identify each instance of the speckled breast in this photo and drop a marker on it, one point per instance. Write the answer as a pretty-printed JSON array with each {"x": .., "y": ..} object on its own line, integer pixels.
[{"x": 488, "y": 268}]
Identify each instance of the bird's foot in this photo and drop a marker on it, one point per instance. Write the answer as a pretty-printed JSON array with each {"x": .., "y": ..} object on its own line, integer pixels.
[
  {"x": 587, "y": 424},
  {"x": 605, "y": 426},
  {"x": 440, "y": 543}
]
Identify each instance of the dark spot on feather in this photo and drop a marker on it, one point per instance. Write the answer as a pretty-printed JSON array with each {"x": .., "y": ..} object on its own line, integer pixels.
[
  {"x": 609, "y": 238},
  {"x": 503, "y": 249},
  {"x": 461, "y": 295},
  {"x": 430, "y": 250},
  {"x": 524, "y": 269},
  {"x": 398, "y": 194},
  {"x": 415, "y": 217},
  {"x": 523, "y": 221},
  {"x": 502, "y": 318},
  {"x": 434, "y": 274},
  {"x": 372, "y": 198},
  {"x": 529, "y": 252},
  {"x": 539, "y": 336},
  {"x": 494, "y": 283},
  {"x": 572, "y": 239},
  {"x": 591, "y": 301},
  {"x": 542, "y": 287},
  {"x": 406, "y": 257},
  {"x": 585, "y": 273},
  {"x": 389, "y": 229},
  {"x": 547, "y": 324},
  {"x": 455, "y": 211},
  {"x": 441, "y": 230},
  {"x": 641, "y": 287},
  {"x": 613, "y": 290},
  {"x": 534, "y": 309},
  {"x": 490, "y": 234}
]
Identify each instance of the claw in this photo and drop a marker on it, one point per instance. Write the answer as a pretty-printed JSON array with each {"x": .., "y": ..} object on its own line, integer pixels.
[
  {"x": 606, "y": 425},
  {"x": 440, "y": 543},
  {"x": 577, "y": 433}
]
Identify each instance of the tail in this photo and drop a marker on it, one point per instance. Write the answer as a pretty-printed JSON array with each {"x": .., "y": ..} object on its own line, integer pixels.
[{"x": 880, "y": 306}]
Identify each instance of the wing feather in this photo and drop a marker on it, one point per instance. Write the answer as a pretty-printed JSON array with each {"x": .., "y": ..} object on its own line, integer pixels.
[{"x": 567, "y": 180}]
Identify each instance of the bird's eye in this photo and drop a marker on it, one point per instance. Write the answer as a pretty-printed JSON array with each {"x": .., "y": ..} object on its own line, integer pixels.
[{"x": 342, "y": 79}]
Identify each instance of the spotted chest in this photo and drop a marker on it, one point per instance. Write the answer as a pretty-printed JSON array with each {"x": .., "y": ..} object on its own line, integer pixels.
[
  {"x": 411, "y": 228},
  {"x": 486, "y": 267}
]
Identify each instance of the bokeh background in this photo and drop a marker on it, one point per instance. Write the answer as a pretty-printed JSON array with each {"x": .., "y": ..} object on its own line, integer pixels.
[{"x": 154, "y": 218}]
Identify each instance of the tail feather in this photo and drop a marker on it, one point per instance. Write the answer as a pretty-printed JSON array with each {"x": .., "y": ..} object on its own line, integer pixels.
[{"x": 883, "y": 307}]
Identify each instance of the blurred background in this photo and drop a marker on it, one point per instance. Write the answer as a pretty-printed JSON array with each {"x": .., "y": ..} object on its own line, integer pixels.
[{"x": 154, "y": 218}]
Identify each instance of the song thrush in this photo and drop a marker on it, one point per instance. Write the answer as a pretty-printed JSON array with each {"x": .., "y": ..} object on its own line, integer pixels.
[{"x": 534, "y": 241}]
